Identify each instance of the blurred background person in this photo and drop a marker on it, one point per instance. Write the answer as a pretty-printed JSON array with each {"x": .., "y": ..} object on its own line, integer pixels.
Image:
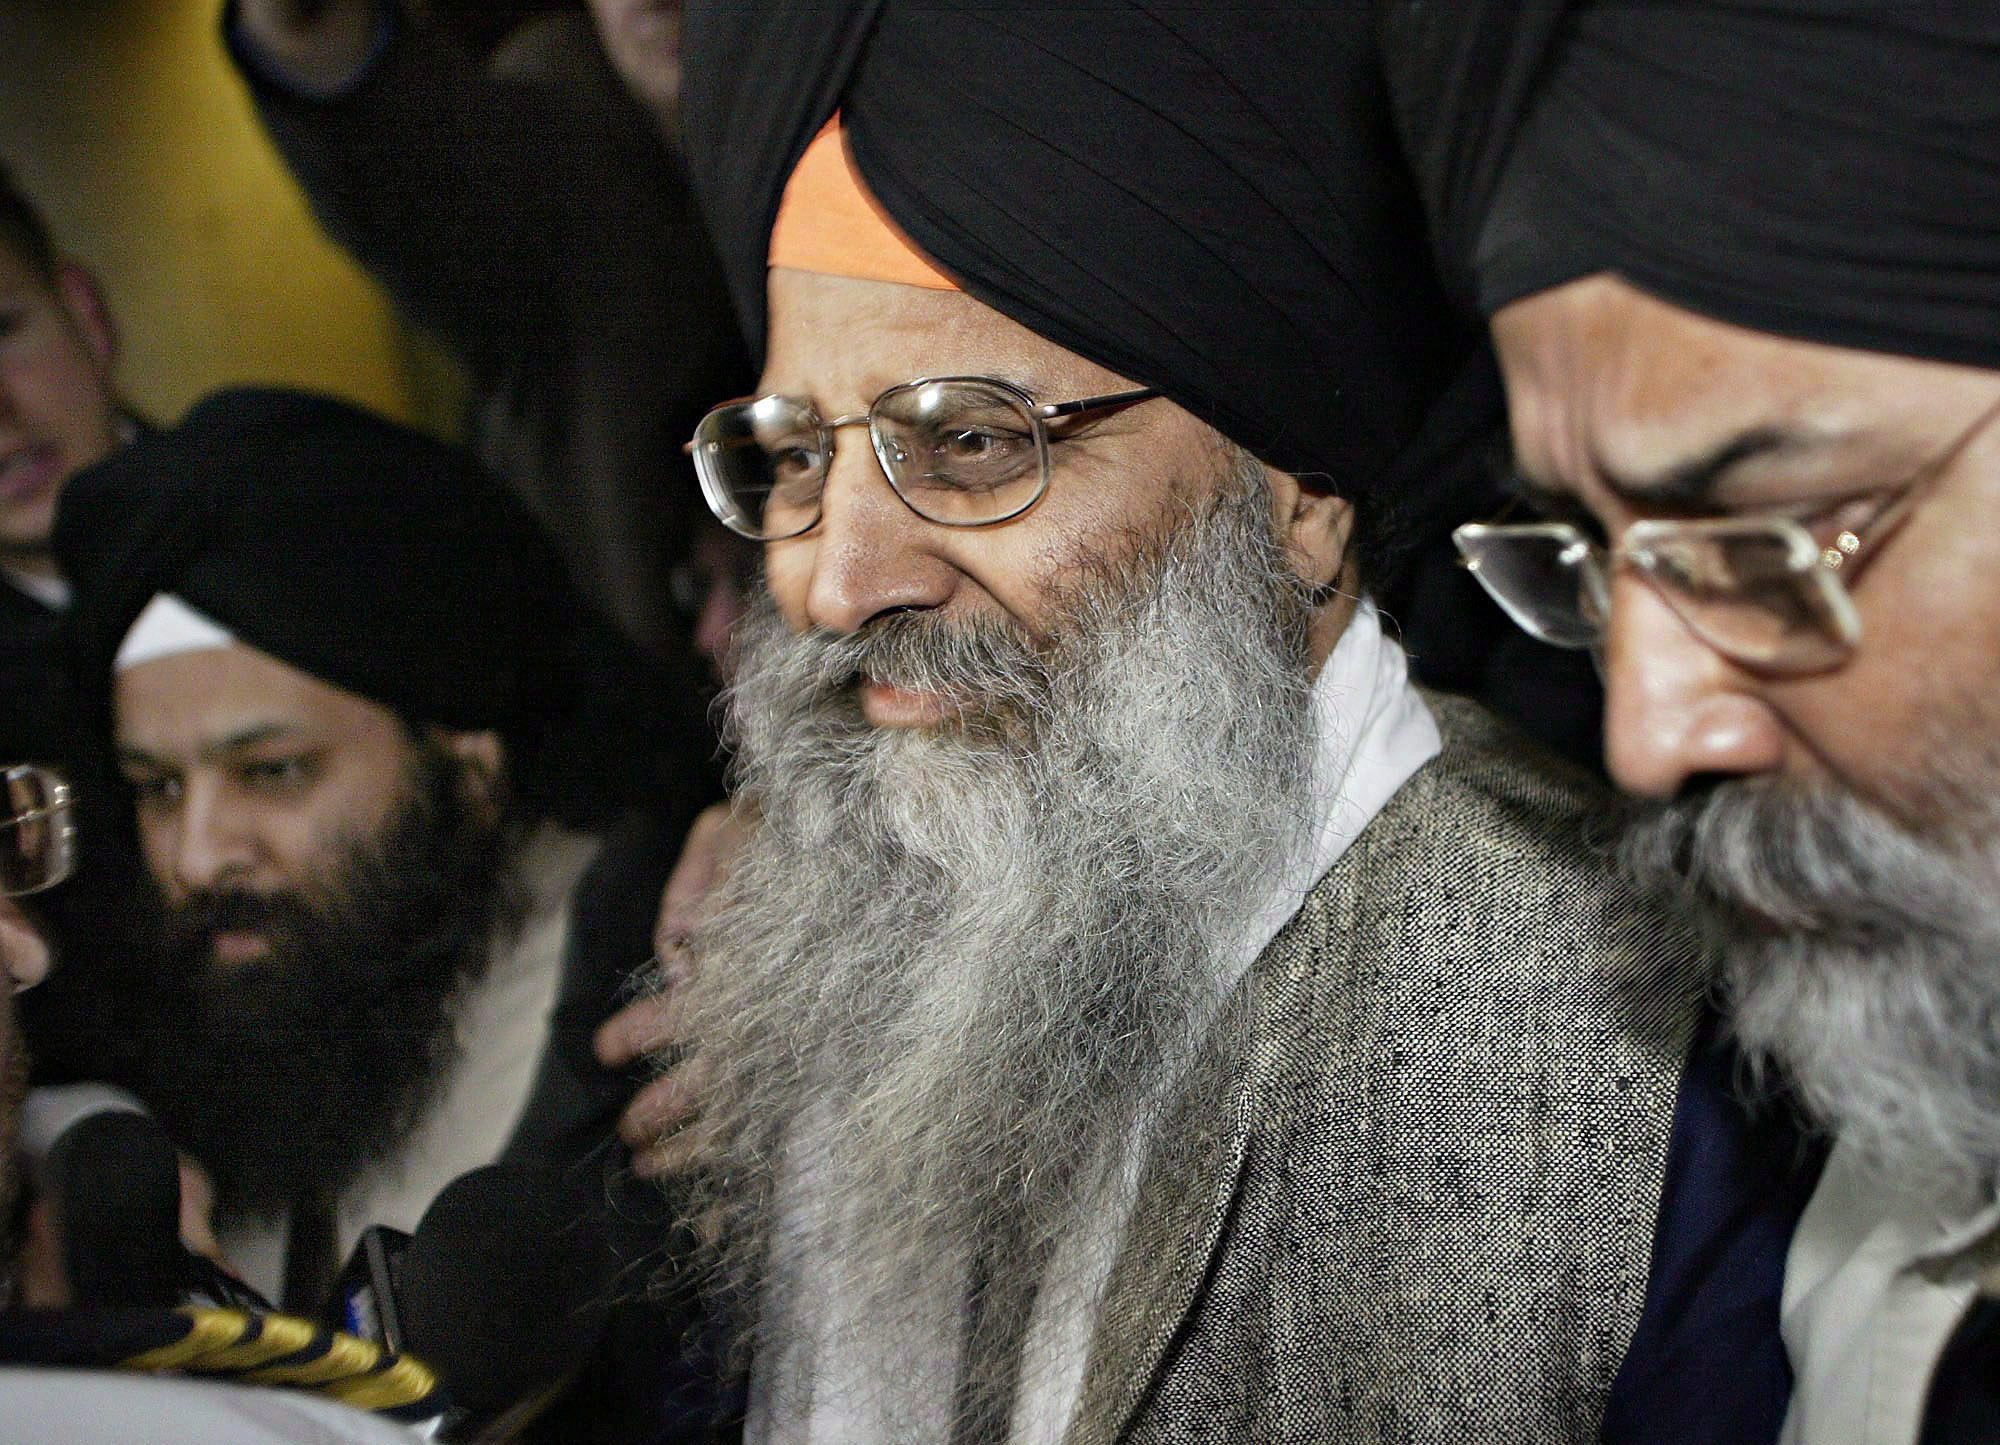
[
  {"x": 59, "y": 413},
  {"x": 56, "y": 1359},
  {"x": 528, "y": 211},
  {"x": 360, "y": 717}
]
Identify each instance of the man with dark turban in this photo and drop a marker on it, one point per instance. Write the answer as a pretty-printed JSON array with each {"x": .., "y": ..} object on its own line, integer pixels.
[
  {"x": 361, "y": 720},
  {"x": 1743, "y": 267},
  {"x": 1134, "y": 1012}
]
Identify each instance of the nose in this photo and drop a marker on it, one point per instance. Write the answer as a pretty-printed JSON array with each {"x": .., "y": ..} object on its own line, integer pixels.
[
  {"x": 213, "y": 847},
  {"x": 869, "y": 555},
  {"x": 1674, "y": 708}
]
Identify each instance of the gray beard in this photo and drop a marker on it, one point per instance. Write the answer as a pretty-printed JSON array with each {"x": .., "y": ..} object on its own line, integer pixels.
[
  {"x": 954, "y": 966},
  {"x": 1859, "y": 958}
]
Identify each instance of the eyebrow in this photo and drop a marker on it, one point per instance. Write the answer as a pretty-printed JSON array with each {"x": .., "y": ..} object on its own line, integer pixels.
[
  {"x": 1689, "y": 485},
  {"x": 220, "y": 748}
]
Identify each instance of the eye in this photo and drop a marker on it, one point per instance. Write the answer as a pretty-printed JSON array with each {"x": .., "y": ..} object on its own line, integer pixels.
[
  {"x": 977, "y": 444},
  {"x": 153, "y": 791},
  {"x": 795, "y": 468},
  {"x": 279, "y": 775},
  {"x": 974, "y": 458}
]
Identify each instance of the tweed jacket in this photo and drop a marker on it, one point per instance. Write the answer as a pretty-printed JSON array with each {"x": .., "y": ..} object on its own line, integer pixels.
[{"x": 1411, "y": 1188}]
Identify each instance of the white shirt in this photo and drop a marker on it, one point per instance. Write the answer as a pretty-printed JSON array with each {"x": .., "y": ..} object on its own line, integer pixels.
[
  {"x": 1373, "y": 731},
  {"x": 1876, "y": 1281},
  {"x": 503, "y": 1030}
]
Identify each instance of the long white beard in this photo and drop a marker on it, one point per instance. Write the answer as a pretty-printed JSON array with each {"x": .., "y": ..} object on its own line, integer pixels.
[
  {"x": 952, "y": 965},
  {"x": 1859, "y": 958}
]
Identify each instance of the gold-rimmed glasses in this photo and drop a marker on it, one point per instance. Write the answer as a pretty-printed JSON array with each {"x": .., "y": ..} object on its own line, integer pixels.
[{"x": 1762, "y": 591}]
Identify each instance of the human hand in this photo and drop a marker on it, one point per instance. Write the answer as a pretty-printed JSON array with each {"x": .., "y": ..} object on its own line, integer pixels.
[
  {"x": 198, "y": 1214},
  {"x": 656, "y": 1124}
]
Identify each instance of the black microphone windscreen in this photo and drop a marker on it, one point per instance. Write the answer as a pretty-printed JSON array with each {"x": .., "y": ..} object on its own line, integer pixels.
[
  {"x": 114, "y": 1182},
  {"x": 507, "y": 1283}
]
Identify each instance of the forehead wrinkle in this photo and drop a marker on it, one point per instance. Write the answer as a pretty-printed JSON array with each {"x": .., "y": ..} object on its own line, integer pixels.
[{"x": 831, "y": 333}]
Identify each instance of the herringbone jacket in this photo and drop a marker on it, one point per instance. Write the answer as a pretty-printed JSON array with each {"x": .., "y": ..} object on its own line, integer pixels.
[{"x": 1412, "y": 1186}]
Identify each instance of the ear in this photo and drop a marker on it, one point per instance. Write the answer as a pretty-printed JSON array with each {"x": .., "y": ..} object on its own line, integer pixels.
[
  {"x": 482, "y": 760},
  {"x": 1318, "y": 528},
  {"x": 83, "y": 299}
]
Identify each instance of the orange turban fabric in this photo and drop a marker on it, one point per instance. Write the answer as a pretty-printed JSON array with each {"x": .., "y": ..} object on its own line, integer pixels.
[{"x": 829, "y": 223}]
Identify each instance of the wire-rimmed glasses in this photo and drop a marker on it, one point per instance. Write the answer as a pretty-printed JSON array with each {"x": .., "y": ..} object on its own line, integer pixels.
[
  {"x": 1759, "y": 590},
  {"x": 961, "y": 451},
  {"x": 1755, "y": 589},
  {"x": 37, "y": 831}
]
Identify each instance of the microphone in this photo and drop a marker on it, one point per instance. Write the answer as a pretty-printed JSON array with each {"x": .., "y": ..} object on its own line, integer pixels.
[
  {"x": 366, "y": 1300},
  {"x": 112, "y": 1180},
  {"x": 505, "y": 1290}
]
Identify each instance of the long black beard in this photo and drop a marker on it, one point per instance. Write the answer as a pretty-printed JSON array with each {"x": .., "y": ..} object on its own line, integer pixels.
[{"x": 293, "y": 1074}]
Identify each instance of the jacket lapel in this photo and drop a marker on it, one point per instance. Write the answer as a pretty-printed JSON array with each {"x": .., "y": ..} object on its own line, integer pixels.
[{"x": 1183, "y": 1214}]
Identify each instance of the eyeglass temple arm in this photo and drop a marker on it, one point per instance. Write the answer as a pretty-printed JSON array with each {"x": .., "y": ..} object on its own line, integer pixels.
[{"x": 1050, "y": 410}]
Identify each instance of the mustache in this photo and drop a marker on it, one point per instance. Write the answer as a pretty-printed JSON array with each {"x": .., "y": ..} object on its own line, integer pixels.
[
  {"x": 1774, "y": 856},
  {"x": 191, "y": 923},
  {"x": 993, "y": 667}
]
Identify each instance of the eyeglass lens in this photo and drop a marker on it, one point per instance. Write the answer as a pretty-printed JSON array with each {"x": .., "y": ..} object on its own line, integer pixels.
[
  {"x": 959, "y": 452},
  {"x": 1538, "y": 576},
  {"x": 37, "y": 837},
  {"x": 1755, "y": 593}
]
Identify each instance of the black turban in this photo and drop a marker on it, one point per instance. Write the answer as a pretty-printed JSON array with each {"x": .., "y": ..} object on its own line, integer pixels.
[
  {"x": 1824, "y": 169},
  {"x": 378, "y": 560},
  {"x": 1208, "y": 200}
]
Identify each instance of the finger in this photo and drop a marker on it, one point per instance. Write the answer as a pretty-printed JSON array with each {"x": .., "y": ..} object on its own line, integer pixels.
[
  {"x": 693, "y": 873},
  {"x": 662, "y": 1108},
  {"x": 197, "y": 1211},
  {"x": 678, "y": 1153},
  {"x": 663, "y": 1127},
  {"x": 712, "y": 844},
  {"x": 637, "y": 1029}
]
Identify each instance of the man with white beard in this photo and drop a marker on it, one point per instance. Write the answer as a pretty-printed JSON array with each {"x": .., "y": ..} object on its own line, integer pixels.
[
  {"x": 1754, "y": 372},
  {"x": 1135, "y": 1013}
]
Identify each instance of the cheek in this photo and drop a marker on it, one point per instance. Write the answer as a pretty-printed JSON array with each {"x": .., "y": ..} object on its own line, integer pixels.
[
  {"x": 359, "y": 797},
  {"x": 788, "y": 570},
  {"x": 1915, "y": 718},
  {"x": 156, "y": 848},
  {"x": 56, "y": 389},
  {"x": 26, "y": 958}
]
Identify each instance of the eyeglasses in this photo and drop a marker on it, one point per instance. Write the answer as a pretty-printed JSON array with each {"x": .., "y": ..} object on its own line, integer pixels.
[
  {"x": 961, "y": 451},
  {"x": 1759, "y": 590},
  {"x": 37, "y": 831}
]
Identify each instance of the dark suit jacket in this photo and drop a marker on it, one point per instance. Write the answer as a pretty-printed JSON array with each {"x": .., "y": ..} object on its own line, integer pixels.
[{"x": 30, "y": 679}]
